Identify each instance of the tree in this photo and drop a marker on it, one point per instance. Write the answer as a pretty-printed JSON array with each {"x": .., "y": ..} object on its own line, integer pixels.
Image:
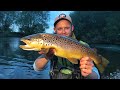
[
  {"x": 112, "y": 29},
  {"x": 94, "y": 26},
  {"x": 31, "y": 22},
  {"x": 7, "y": 18}
]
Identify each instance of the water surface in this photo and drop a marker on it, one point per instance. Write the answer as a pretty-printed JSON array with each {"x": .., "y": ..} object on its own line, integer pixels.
[{"x": 16, "y": 63}]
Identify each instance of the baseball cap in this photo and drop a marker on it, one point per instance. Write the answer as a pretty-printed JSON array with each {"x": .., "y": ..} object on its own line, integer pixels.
[{"x": 62, "y": 17}]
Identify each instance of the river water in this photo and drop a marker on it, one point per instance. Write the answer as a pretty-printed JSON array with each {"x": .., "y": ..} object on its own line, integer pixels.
[{"x": 16, "y": 63}]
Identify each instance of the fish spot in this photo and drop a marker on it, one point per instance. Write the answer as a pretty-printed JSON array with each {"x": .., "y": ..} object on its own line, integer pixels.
[
  {"x": 29, "y": 39},
  {"x": 71, "y": 43}
]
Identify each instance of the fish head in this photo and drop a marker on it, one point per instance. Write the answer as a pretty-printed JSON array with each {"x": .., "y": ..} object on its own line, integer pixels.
[{"x": 32, "y": 42}]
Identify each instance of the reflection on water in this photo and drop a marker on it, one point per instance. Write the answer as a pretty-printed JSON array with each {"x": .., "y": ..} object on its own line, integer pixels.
[
  {"x": 10, "y": 47},
  {"x": 15, "y": 68},
  {"x": 112, "y": 53},
  {"x": 16, "y": 63}
]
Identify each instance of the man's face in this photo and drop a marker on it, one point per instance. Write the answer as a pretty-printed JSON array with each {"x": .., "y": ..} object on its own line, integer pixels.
[{"x": 63, "y": 27}]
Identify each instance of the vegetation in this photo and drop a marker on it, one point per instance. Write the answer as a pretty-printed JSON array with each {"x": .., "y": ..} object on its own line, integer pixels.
[
  {"x": 90, "y": 26},
  {"x": 29, "y": 22},
  {"x": 97, "y": 26}
]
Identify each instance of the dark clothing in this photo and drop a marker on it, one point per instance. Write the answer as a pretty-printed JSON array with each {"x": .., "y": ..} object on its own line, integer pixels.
[
  {"x": 58, "y": 64},
  {"x": 61, "y": 68}
]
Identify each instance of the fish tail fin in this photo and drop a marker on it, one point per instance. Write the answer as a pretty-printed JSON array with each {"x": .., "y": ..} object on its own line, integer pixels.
[
  {"x": 104, "y": 62},
  {"x": 100, "y": 68}
]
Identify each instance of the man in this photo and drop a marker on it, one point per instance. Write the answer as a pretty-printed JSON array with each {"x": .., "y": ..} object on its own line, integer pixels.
[{"x": 62, "y": 68}]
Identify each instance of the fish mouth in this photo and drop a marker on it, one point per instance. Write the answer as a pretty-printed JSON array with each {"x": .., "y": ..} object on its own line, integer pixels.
[
  {"x": 27, "y": 45},
  {"x": 25, "y": 40}
]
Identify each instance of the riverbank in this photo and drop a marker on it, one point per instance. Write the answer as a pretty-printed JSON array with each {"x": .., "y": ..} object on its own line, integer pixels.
[
  {"x": 12, "y": 34},
  {"x": 19, "y": 34},
  {"x": 113, "y": 75}
]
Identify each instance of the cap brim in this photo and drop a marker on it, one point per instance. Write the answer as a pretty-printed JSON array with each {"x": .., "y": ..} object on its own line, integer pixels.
[{"x": 61, "y": 19}]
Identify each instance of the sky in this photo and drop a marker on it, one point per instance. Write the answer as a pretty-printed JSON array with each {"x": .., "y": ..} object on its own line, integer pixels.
[{"x": 53, "y": 15}]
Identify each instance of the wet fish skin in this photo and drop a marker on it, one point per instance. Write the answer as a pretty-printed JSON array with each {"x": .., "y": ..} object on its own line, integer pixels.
[{"x": 65, "y": 47}]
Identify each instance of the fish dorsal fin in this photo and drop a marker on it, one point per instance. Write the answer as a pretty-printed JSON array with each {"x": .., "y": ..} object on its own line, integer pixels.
[
  {"x": 94, "y": 49},
  {"x": 73, "y": 60},
  {"x": 84, "y": 43}
]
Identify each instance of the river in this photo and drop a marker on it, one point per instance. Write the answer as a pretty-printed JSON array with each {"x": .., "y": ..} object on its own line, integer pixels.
[{"x": 16, "y": 63}]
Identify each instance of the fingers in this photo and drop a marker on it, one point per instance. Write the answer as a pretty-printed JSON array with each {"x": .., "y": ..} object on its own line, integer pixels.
[
  {"x": 50, "y": 53},
  {"x": 86, "y": 61},
  {"x": 41, "y": 52},
  {"x": 86, "y": 65},
  {"x": 86, "y": 72}
]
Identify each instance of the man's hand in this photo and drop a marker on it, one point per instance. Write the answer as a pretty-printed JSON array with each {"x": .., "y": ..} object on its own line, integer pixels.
[
  {"x": 50, "y": 53},
  {"x": 86, "y": 65}
]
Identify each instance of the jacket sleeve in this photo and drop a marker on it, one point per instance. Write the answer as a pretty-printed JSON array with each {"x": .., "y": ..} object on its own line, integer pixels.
[
  {"x": 96, "y": 71},
  {"x": 94, "y": 75},
  {"x": 34, "y": 66}
]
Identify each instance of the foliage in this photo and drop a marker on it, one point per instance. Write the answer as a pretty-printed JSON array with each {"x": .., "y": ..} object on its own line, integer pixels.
[
  {"x": 29, "y": 22},
  {"x": 33, "y": 21},
  {"x": 7, "y": 18},
  {"x": 97, "y": 26}
]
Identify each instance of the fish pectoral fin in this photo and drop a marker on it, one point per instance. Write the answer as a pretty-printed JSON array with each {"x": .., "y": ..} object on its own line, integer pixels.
[
  {"x": 44, "y": 50},
  {"x": 73, "y": 60}
]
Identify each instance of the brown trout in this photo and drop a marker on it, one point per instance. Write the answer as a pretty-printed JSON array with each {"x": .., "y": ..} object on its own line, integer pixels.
[{"x": 63, "y": 46}]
